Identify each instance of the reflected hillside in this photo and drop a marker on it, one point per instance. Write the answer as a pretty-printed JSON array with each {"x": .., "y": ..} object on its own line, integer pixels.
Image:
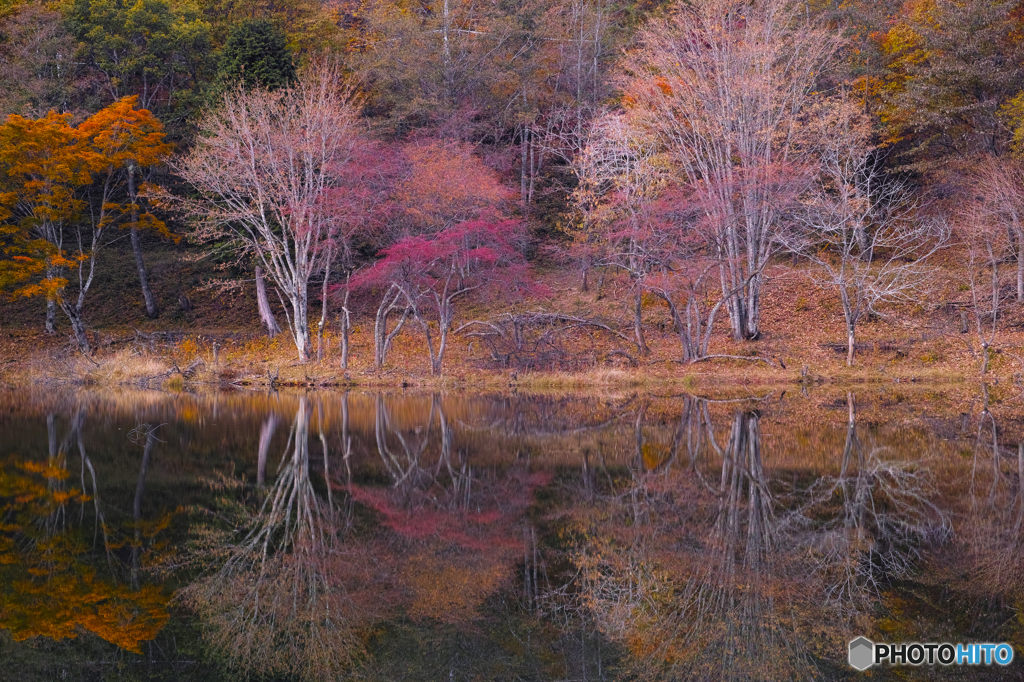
[
  {"x": 67, "y": 565},
  {"x": 322, "y": 535}
]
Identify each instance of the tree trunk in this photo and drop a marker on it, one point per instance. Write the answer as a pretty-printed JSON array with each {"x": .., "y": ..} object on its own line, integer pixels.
[
  {"x": 323, "y": 313},
  {"x": 522, "y": 171},
  {"x": 984, "y": 358},
  {"x": 851, "y": 341},
  {"x": 51, "y": 304},
  {"x": 346, "y": 323},
  {"x": 682, "y": 331},
  {"x": 436, "y": 362},
  {"x": 534, "y": 167},
  {"x": 638, "y": 324},
  {"x": 861, "y": 235},
  {"x": 1020, "y": 275},
  {"x": 753, "y": 308},
  {"x": 738, "y": 315},
  {"x": 381, "y": 337},
  {"x": 380, "y": 329},
  {"x": 744, "y": 305},
  {"x": 430, "y": 348},
  {"x": 51, "y": 317},
  {"x": 151, "y": 309},
  {"x": 266, "y": 314},
  {"x": 442, "y": 344},
  {"x": 78, "y": 327},
  {"x": 850, "y": 316},
  {"x": 300, "y": 324}
]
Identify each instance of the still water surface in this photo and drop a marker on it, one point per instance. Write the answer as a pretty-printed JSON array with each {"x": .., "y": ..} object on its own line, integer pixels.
[{"x": 376, "y": 536}]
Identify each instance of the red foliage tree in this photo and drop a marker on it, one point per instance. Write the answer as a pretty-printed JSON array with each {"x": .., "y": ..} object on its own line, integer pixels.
[
  {"x": 446, "y": 184},
  {"x": 363, "y": 207},
  {"x": 433, "y": 272}
]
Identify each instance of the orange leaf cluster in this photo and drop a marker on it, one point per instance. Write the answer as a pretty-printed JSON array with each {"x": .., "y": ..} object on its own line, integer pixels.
[
  {"x": 47, "y": 585},
  {"x": 47, "y": 169}
]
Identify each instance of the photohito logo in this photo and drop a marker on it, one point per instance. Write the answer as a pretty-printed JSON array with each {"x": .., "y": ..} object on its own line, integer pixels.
[{"x": 864, "y": 653}]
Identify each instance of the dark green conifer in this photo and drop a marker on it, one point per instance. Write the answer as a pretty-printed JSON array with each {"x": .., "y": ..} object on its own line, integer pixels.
[{"x": 257, "y": 54}]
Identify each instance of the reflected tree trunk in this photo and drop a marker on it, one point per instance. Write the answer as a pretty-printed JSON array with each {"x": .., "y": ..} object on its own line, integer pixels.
[
  {"x": 266, "y": 435},
  {"x": 886, "y": 513},
  {"x": 278, "y": 604},
  {"x": 404, "y": 463},
  {"x": 140, "y": 487}
]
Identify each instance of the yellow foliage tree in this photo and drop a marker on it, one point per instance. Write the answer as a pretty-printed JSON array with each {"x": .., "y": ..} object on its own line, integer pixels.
[{"x": 50, "y": 173}]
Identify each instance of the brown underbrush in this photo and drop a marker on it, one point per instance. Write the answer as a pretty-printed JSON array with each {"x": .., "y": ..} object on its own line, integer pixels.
[{"x": 802, "y": 343}]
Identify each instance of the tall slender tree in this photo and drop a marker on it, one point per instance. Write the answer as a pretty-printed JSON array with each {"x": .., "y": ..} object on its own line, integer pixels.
[
  {"x": 724, "y": 86},
  {"x": 266, "y": 166},
  {"x": 129, "y": 142}
]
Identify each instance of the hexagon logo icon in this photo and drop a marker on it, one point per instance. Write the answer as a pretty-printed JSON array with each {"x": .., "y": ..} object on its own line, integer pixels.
[{"x": 862, "y": 653}]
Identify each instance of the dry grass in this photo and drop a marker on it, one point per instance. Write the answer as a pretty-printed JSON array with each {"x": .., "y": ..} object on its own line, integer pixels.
[
  {"x": 592, "y": 378},
  {"x": 802, "y": 338}
]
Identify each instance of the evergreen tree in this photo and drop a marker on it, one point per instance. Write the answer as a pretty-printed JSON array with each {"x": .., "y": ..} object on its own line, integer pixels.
[{"x": 257, "y": 54}]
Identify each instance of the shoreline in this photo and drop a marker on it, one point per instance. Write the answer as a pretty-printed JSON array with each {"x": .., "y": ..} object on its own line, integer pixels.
[{"x": 200, "y": 367}]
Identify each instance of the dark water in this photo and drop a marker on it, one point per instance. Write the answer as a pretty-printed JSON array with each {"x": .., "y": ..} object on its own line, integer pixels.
[{"x": 323, "y": 536}]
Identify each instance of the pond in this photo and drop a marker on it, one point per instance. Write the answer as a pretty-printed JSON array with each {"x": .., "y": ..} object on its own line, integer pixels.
[{"x": 430, "y": 536}]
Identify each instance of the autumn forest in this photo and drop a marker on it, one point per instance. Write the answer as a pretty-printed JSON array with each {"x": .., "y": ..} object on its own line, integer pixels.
[
  {"x": 546, "y": 340},
  {"x": 540, "y": 185}
]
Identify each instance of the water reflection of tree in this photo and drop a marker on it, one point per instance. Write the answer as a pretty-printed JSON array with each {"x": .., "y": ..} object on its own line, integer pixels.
[
  {"x": 864, "y": 527},
  {"x": 734, "y": 597},
  {"x": 714, "y": 568},
  {"x": 457, "y": 529},
  {"x": 990, "y": 535},
  {"x": 57, "y": 578},
  {"x": 290, "y": 596}
]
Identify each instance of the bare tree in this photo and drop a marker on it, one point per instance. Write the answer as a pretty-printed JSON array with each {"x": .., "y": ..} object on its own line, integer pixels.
[
  {"x": 725, "y": 85},
  {"x": 864, "y": 232},
  {"x": 658, "y": 234},
  {"x": 999, "y": 184},
  {"x": 886, "y": 512},
  {"x": 393, "y": 301},
  {"x": 576, "y": 41},
  {"x": 265, "y": 164},
  {"x": 985, "y": 248},
  {"x": 719, "y": 612},
  {"x": 991, "y": 225},
  {"x": 621, "y": 173},
  {"x": 282, "y": 598},
  {"x": 991, "y": 544}
]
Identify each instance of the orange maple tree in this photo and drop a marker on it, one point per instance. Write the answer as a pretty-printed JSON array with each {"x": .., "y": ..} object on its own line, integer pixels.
[
  {"x": 44, "y": 162},
  {"x": 69, "y": 184}
]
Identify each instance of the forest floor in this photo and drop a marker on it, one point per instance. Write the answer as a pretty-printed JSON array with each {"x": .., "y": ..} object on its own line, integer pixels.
[{"x": 802, "y": 342}]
